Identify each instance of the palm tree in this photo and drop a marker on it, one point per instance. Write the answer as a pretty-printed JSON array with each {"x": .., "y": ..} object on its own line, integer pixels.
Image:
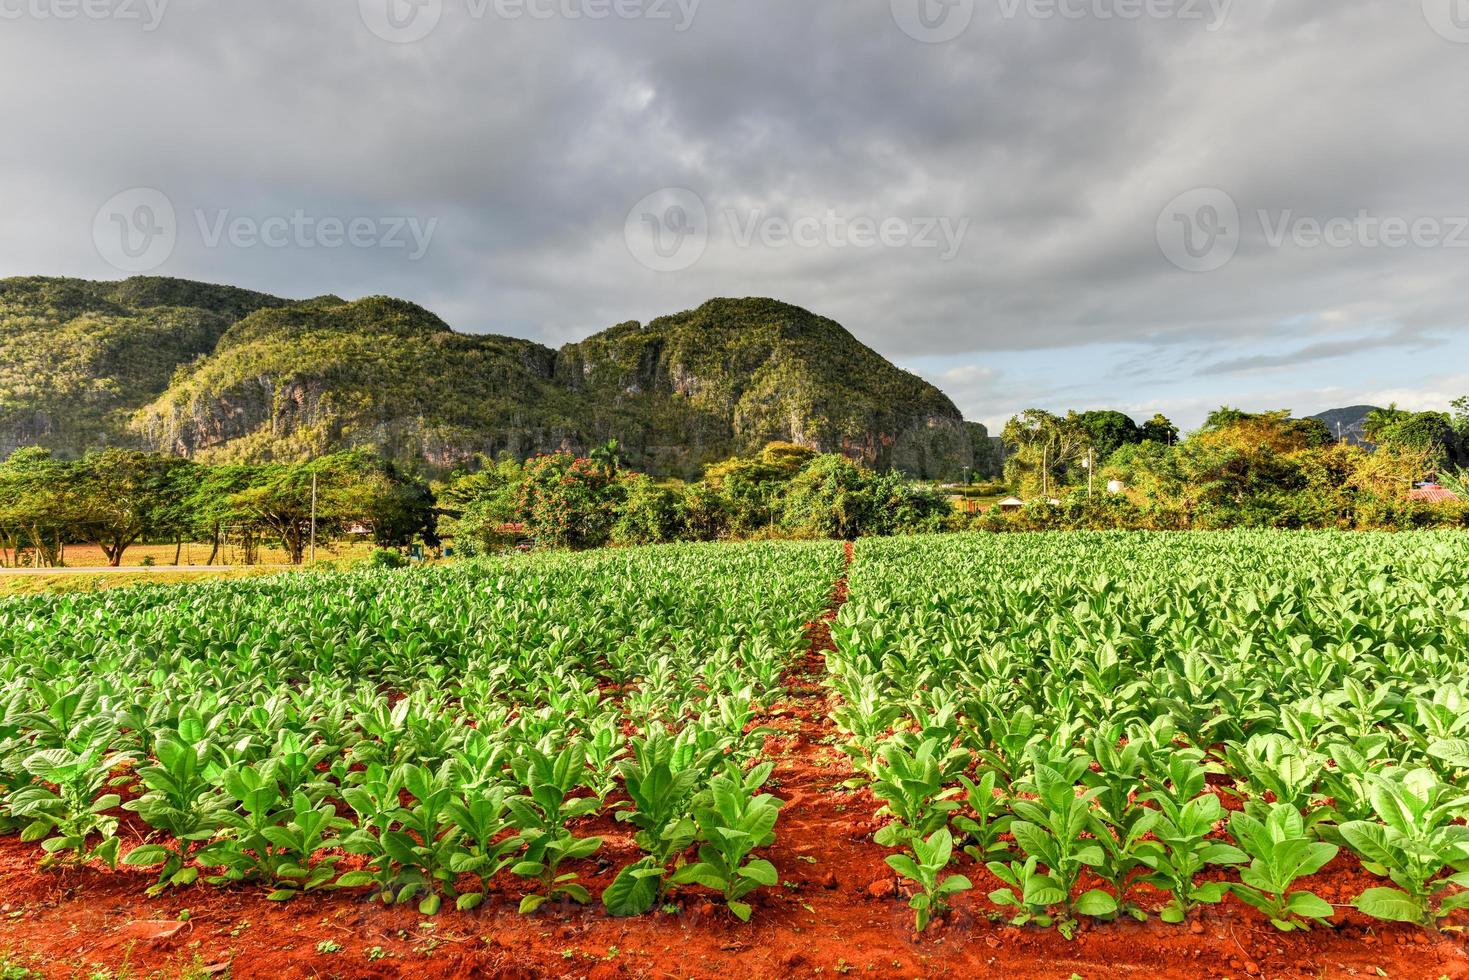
[
  {"x": 606, "y": 457},
  {"x": 1380, "y": 421}
]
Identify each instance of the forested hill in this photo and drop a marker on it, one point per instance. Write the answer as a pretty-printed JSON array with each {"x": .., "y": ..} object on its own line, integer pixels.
[
  {"x": 78, "y": 358},
  {"x": 226, "y": 374}
]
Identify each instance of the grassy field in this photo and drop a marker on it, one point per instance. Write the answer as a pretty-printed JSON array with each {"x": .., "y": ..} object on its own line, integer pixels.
[
  {"x": 90, "y": 555},
  {"x": 162, "y": 570}
]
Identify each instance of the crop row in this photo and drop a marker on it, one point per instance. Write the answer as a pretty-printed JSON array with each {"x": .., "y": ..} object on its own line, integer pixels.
[
  {"x": 1078, "y": 710},
  {"x": 414, "y": 734}
]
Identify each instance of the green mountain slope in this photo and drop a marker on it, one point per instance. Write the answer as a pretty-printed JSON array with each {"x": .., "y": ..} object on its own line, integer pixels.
[
  {"x": 77, "y": 358},
  {"x": 1348, "y": 423},
  {"x": 733, "y": 375},
  {"x": 224, "y": 374}
]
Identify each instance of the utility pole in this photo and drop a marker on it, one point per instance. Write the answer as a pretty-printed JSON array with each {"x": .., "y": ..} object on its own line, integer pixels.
[
  {"x": 313, "y": 515},
  {"x": 1091, "y": 468}
]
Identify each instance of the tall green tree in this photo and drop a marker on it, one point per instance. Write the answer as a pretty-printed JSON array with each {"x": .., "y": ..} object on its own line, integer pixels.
[
  {"x": 1109, "y": 431},
  {"x": 351, "y": 488},
  {"x": 1434, "y": 432},
  {"x": 1044, "y": 451},
  {"x": 1159, "y": 429},
  {"x": 125, "y": 494},
  {"x": 39, "y": 507}
]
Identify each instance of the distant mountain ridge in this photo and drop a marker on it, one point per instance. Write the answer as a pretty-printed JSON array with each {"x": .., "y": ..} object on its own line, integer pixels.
[
  {"x": 227, "y": 374},
  {"x": 1349, "y": 424}
]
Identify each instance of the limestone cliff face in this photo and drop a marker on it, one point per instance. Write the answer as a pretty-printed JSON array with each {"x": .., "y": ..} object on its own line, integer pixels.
[
  {"x": 688, "y": 390},
  {"x": 77, "y": 358},
  {"x": 242, "y": 376}
]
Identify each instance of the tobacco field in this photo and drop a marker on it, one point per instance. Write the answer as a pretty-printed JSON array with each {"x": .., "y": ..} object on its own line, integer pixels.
[{"x": 917, "y": 756}]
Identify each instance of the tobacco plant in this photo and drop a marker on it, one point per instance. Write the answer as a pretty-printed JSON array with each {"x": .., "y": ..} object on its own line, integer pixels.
[
  {"x": 1421, "y": 837},
  {"x": 1281, "y": 851},
  {"x": 542, "y": 814},
  {"x": 929, "y": 859},
  {"x": 734, "y": 819},
  {"x": 661, "y": 810}
]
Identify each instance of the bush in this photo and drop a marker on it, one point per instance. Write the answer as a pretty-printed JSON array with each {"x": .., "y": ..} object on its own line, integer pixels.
[
  {"x": 386, "y": 558},
  {"x": 649, "y": 513},
  {"x": 568, "y": 502},
  {"x": 702, "y": 513},
  {"x": 834, "y": 497}
]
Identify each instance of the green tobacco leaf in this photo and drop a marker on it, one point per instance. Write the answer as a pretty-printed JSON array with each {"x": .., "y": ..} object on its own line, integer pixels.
[
  {"x": 1096, "y": 903},
  {"x": 1388, "y": 904},
  {"x": 145, "y": 855},
  {"x": 761, "y": 871},
  {"x": 630, "y": 894}
]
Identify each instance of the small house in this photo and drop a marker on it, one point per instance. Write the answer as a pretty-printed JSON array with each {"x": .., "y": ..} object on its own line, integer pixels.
[{"x": 1432, "y": 493}]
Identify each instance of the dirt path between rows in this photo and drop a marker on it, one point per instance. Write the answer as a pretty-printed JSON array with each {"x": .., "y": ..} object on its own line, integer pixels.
[{"x": 838, "y": 910}]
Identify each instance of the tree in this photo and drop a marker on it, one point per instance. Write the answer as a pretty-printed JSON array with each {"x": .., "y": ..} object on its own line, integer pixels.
[
  {"x": 351, "y": 488},
  {"x": 1043, "y": 450},
  {"x": 1277, "y": 424},
  {"x": 125, "y": 494},
  {"x": 648, "y": 514},
  {"x": 478, "y": 505},
  {"x": 1432, "y": 432},
  {"x": 835, "y": 497},
  {"x": 38, "y": 507},
  {"x": 825, "y": 500},
  {"x": 751, "y": 487},
  {"x": 606, "y": 457},
  {"x": 1159, "y": 429},
  {"x": 567, "y": 502},
  {"x": 1109, "y": 431},
  {"x": 215, "y": 513}
]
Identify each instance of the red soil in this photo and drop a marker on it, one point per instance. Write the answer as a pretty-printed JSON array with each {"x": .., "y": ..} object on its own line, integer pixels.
[{"x": 839, "y": 910}]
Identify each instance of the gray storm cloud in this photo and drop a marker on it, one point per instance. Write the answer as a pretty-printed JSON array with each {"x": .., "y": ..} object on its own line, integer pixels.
[{"x": 526, "y": 132}]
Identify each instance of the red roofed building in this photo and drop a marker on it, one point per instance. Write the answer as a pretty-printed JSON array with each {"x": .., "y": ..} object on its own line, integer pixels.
[{"x": 1432, "y": 493}]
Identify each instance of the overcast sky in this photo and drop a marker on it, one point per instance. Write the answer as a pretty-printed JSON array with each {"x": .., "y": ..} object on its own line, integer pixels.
[{"x": 1151, "y": 205}]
